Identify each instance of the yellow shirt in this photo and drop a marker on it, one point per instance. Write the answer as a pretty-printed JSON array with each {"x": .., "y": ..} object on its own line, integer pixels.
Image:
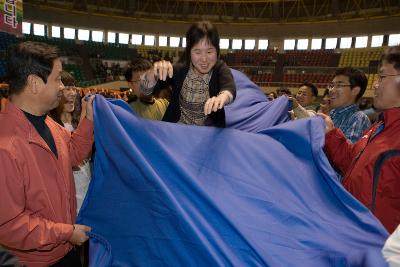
[{"x": 151, "y": 111}]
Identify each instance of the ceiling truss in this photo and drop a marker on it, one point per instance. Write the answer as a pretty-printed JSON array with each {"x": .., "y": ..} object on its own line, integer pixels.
[{"x": 233, "y": 11}]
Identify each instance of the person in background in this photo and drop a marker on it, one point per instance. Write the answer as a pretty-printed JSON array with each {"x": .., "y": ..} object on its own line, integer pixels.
[
  {"x": 146, "y": 106},
  {"x": 304, "y": 102},
  {"x": 283, "y": 91},
  {"x": 346, "y": 88},
  {"x": 272, "y": 95},
  {"x": 69, "y": 117},
  {"x": 325, "y": 105},
  {"x": 201, "y": 83}
]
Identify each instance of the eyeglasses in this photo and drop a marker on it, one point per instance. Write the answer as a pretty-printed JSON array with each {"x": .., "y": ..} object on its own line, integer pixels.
[
  {"x": 383, "y": 76},
  {"x": 337, "y": 85}
]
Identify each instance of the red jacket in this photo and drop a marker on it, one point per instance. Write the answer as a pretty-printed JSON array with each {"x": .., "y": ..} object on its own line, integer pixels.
[
  {"x": 359, "y": 161},
  {"x": 37, "y": 192}
]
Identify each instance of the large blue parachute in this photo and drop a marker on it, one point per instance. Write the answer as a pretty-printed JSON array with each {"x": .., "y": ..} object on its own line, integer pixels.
[{"x": 167, "y": 194}]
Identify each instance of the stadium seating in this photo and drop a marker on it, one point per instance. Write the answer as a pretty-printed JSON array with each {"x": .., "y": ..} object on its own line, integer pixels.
[
  {"x": 319, "y": 79},
  {"x": 309, "y": 58},
  {"x": 359, "y": 57},
  {"x": 251, "y": 58},
  {"x": 266, "y": 67}
]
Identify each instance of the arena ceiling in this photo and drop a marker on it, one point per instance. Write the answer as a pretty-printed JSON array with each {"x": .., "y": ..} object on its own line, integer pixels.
[{"x": 250, "y": 11}]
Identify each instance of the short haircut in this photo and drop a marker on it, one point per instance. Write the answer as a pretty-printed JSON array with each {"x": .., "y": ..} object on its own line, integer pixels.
[
  {"x": 198, "y": 31},
  {"x": 67, "y": 79},
  {"x": 314, "y": 89},
  {"x": 283, "y": 90},
  {"x": 29, "y": 58},
  {"x": 356, "y": 78},
  {"x": 392, "y": 56},
  {"x": 137, "y": 65}
]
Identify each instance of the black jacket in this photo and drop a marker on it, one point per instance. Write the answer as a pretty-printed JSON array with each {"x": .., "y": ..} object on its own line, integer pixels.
[{"x": 221, "y": 79}]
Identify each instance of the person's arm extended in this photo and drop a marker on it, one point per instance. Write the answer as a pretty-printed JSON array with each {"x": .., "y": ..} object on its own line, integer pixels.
[
  {"x": 226, "y": 81},
  {"x": 162, "y": 70},
  {"x": 81, "y": 140}
]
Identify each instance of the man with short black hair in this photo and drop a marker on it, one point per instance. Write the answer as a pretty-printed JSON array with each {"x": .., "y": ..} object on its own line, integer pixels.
[
  {"x": 37, "y": 192},
  {"x": 346, "y": 88},
  {"x": 283, "y": 91},
  {"x": 303, "y": 103}
]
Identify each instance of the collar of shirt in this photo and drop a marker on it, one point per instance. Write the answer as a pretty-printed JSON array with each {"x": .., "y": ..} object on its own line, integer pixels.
[
  {"x": 194, "y": 76},
  {"x": 390, "y": 116},
  {"x": 312, "y": 107},
  {"x": 36, "y": 120},
  {"x": 344, "y": 110}
]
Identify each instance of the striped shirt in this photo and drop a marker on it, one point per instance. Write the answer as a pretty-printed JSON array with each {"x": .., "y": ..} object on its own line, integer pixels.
[{"x": 351, "y": 121}]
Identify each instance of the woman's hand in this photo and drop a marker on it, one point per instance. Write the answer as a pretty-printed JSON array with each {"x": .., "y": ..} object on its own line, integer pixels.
[
  {"x": 160, "y": 71},
  {"x": 217, "y": 102},
  {"x": 163, "y": 69}
]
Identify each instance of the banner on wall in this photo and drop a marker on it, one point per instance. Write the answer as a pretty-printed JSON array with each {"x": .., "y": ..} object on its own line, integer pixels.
[{"x": 11, "y": 16}]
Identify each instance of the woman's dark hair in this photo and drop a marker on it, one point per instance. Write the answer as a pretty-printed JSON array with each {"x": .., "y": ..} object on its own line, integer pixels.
[
  {"x": 68, "y": 80},
  {"x": 198, "y": 31}
]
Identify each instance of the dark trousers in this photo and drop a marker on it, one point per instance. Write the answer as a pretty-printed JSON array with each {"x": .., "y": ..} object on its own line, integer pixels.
[{"x": 72, "y": 259}]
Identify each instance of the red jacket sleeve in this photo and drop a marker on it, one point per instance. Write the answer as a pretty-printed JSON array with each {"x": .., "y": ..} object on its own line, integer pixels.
[
  {"x": 339, "y": 150},
  {"x": 81, "y": 142}
]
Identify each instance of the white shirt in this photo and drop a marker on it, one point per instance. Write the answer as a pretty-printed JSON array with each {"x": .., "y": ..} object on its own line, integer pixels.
[
  {"x": 391, "y": 250},
  {"x": 82, "y": 177}
]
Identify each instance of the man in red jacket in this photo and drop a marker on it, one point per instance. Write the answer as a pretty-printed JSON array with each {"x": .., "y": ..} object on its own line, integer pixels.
[
  {"x": 371, "y": 166},
  {"x": 37, "y": 192}
]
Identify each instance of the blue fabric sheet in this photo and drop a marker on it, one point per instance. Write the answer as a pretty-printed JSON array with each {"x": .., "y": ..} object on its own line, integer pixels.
[
  {"x": 167, "y": 194},
  {"x": 252, "y": 111}
]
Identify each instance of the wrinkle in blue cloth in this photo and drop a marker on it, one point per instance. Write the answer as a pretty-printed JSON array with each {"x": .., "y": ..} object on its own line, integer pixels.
[
  {"x": 252, "y": 111},
  {"x": 167, "y": 194}
]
